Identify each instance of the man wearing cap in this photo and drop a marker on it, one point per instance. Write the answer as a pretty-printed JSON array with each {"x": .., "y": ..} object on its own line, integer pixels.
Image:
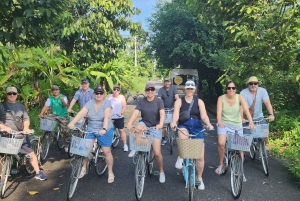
[
  {"x": 153, "y": 116},
  {"x": 118, "y": 103},
  {"x": 168, "y": 93},
  {"x": 14, "y": 117},
  {"x": 58, "y": 103},
  {"x": 83, "y": 95},
  {"x": 257, "y": 95}
]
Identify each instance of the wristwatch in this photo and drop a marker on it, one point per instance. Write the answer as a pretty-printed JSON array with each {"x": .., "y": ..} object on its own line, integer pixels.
[{"x": 104, "y": 129}]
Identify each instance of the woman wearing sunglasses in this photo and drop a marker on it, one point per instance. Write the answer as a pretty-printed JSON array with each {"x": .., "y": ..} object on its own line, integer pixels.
[
  {"x": 98, "y": 111},
  {"x": 193, "y": 125},
  {"x": 229, "y": 115},
  {"x": 118, "y": 104},
  {"x": 153, "y": 115}
]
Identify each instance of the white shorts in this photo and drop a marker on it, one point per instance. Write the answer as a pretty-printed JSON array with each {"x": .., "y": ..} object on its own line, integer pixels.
[{"x": 227, "y": 129}]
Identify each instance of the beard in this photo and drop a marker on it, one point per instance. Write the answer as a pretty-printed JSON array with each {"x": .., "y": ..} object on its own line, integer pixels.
[{"x": 251, "y": 89}]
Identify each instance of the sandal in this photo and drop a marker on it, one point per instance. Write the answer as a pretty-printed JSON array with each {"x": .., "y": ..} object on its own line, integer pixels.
[
  {"x": 219, "y": 170},
  {"x": 111, "y": 178},
  {"x": 82, "y": 173},
  {"x": 244, "y": 178}
]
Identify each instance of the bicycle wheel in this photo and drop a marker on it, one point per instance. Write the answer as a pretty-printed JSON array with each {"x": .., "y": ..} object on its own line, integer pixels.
[
  {"x": 76, "y": 169},
  {"x": 191, "y": 183},
  {"x": 150, "y": 160},
  {"x": 252, "y": 150},
  {"x": 170, "y": 135},
  {"x": 5, "y": 174},
  {"x": 28, "y": 166},
  {"x": 100, "y": 162},
  {"x": 225, "y": 160},
  {"x": 59, "y": 141},
  {"x": 236, "y": 175},
  {"x": 140, "y": 173},
  {"x": 116, "y": 138},
  {"x": 264, "y": 156},
  {"x": 139, "y": 97},
  {"x": 45, "y": 145}
]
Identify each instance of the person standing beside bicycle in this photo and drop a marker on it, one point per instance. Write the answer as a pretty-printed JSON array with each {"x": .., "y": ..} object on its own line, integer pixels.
[
  {"x": 98, "y": 111},
  {"x": 191, "y": 126},
  {"x": 153, "y": 115},
  {"x": 58, "y": 103},
  {"x": 119, "y": 105},
  {"x": 83, "y": 95},
  {"x": 228, "y": 113},
  {"x": 255, "y": 96},
  {"x": 14, "y": 117},
  {"x": 168, "y": 93}
]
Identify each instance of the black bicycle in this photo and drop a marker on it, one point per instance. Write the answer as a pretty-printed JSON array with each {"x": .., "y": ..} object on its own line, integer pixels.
[{"x": 137, "y": 97}]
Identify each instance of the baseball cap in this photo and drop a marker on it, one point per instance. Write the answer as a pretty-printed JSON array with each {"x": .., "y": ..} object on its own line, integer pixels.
[
  {"x": 117, "y": 86},
  {"x": 11, "y": 89},
  {"x": 190, "y": 85},
  {"x": 167, "y": 79},
  {"x": 54, "y": 87},
  {"x": 149, "y": 85},
  {"x": 98, "y": 89},
  {"x": 85, "y": 81}
]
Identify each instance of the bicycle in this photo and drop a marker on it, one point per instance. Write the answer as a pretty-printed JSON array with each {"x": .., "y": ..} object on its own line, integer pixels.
[
  {"x": 137, "y": 97},
  {"x": 169, "y": 132},
  {"x": 9, "y": 147},
  {"x": 236, "y": 143},
  {"x": 117, "y": 136},
  {"x": 82, "y": 148},
  {"x": 260, "y": 132},
  {"x": 141, "y": 142},
  {"x": 190, "y": 150}
]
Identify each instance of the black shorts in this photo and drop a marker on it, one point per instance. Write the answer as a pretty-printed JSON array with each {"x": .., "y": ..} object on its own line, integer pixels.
[
  {"x": 26, "y": 146},
  {"x": 119, "y": 123}
]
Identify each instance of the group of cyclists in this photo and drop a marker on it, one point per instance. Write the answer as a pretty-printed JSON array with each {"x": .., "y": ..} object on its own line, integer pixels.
[{"x": 100, "y": 110}]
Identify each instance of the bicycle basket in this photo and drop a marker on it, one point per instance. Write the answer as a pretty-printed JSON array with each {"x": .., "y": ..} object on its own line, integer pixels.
[
  {"x": 190, "y": 148},
  {"x": 261, "y": 131},
  {"x": 140, "y": 142},
  {"x": 81, "y": 146},
  {"x": 10, "y": 145},
  {"x": 239, "y": 142},
  {"x": 47, "y": 124},
  {"x": 168, "y": 115},
  {"x": 79, "y": 124}
]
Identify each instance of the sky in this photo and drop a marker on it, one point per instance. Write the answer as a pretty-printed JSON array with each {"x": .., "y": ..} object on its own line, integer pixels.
[{"x": 147, "y": 7}]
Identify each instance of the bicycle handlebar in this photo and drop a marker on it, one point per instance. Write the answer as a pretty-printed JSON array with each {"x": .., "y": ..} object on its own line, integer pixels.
[
  {"x": 258, "y": 121},
  {"x": 192, "y": 135},
  {"x": 235, "y": 129},
  {"x": 18, "y": 132}
]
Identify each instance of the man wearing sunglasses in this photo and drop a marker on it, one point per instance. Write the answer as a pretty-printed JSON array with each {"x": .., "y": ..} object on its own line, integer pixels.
[
  {"x": 168, "y": 93},
  {"x": 58, "y": 103},
  {"x": 14, "y": 117},
  {"x": 259, "y": 95}
]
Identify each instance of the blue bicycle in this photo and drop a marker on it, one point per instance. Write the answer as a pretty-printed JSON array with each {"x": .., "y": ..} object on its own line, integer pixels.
[{"x": 190, "y": 150}]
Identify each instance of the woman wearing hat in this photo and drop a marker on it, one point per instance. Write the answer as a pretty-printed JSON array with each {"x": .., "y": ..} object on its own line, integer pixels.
[
  {"x": 192, "y": 125},
  {"x": 98, "y": 111}
]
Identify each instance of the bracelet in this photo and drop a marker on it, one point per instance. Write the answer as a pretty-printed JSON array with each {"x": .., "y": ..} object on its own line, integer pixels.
[
  {"x": 104, "y": 129},
  {"x": 271, "y": 114}
]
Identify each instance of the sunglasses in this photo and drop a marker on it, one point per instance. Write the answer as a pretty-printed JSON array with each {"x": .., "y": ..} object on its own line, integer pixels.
[
  {"x": 150, "y": 89},
  {"x": 167, "y": 94},
  {"x": 10, "y": 93},
  {"x": 99, "y": 93},
  {"x": 190, "y": 85},
  {"x": 189, "y": 88},
  {"x": 116, "y": 89},
  {"x": 229, "y": 88},
  {"x": 253, "y": 83},
  {"x": 54, "y": 89}
]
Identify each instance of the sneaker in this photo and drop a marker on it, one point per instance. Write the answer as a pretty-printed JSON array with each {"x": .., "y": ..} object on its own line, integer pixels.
[
  {"x": 162, "y": 177},
  {"x": 40, "y": 176},
  {"x": 66, "y": 149},
  {"x": 163, "y": 142},
  {"x": 101, "y": 150},
  {"x": 132, "y": 153},
  {"x": 200, "y": 184},
  {"x": 178, "y": 164},
  {"x": 125, "y": 148}
]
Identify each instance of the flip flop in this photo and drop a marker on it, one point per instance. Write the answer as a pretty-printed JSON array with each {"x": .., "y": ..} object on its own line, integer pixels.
[
  {"x": 219, "y": 171},
  {"x": 111, "y": 178}
]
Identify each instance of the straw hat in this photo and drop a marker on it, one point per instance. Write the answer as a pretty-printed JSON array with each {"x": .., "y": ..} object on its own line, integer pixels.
[{"x": 253, "y": 79}]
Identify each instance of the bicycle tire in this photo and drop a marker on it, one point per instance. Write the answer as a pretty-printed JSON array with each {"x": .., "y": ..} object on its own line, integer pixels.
[
  {"x": 45, "y": 145},
  {"x": 225, "y": 160},
  {"x": 76, "y": 169},
  {"x": 191, "y": 183},
  {"x": 170, "y": 138},
  {"x": 100, "y": 162},
  {"x": 59, "y": 141},
  {"x": 150, "y": 161},
  {"x": 116, "y": 138},
  {"x": 34, "y": 145},
  {"x": 139, "y": 97},
  {"x": 236, "y": 175},
  {"x": 139, "y": 175},
  {"x": 252, "y": 150},
  {"x": 5, "y": 174},
  {"x": 264, "y": 156}
]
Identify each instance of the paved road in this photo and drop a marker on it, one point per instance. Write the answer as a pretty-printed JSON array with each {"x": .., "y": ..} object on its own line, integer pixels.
[{"x": 279, "y": 186}]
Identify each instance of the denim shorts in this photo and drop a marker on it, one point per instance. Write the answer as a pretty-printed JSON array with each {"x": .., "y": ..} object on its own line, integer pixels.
[
  {"x": 155, "y": 133},
  {"x": 103, "y": 140},
  {"x": 193, "y": 126},
  {"x": 227, "y": 129}
]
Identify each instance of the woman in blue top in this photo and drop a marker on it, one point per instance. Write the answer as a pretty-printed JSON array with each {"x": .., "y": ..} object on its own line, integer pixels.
[{"x": 98, "y": 111}]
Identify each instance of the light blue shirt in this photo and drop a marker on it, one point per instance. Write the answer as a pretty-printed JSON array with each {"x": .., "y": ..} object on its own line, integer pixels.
[{"x": 84, "y": 97}]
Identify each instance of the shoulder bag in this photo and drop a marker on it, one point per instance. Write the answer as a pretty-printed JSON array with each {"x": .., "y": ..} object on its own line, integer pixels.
[
  {"x": 185, "y": 115},
  {"x": 17, "y": 120}
]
